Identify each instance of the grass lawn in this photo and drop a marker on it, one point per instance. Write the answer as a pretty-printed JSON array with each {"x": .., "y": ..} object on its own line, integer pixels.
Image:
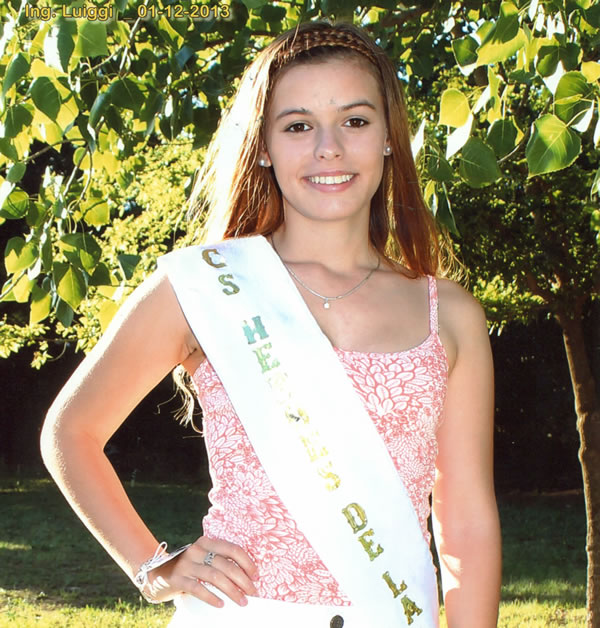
[{"x": 54, "y": 574}]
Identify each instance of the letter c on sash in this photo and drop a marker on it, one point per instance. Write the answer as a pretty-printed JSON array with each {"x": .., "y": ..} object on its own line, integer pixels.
[{"x": 206, "y": 256}]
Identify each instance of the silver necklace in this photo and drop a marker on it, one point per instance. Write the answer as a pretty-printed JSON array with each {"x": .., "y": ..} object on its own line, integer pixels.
[{"x": 327, "y": 300}]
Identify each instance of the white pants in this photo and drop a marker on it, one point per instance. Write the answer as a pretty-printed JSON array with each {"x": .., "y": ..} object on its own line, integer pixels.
[{"x": 261, "y": 613}]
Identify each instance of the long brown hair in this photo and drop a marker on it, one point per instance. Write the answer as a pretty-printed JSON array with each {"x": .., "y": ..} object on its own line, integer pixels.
[{"x": 237, "y": 197}]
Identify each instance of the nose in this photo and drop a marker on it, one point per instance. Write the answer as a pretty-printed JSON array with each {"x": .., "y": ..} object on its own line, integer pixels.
[{"x": 328, "y": 146}]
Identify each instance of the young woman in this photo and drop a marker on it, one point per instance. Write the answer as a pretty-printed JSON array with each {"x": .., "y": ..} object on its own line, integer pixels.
[{"x": 340, "y": 381}]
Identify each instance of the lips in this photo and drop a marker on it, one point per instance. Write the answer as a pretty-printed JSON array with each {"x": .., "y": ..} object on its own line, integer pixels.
[{"x": 331, "y": 179}]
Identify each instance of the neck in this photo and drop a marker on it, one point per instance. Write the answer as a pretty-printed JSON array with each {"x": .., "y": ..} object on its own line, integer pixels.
[{"x": 336, "y": 246}]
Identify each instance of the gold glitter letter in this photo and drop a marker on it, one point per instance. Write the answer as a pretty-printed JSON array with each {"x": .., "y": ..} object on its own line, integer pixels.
[
  {"x": 395, "y": 590},
  {"x": 357, "y": 518},
  {"x": 231, "y": 288},
  {"x": 206, "y": 257},
  {"x": 368, "y": 544},
  {"x": 410, "y": 609},
  {"x": 333, "y": 478}
]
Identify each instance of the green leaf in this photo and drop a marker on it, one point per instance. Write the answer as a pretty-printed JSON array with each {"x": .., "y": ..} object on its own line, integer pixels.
[
  {"x": 92, "y": 38},
  {"x": 591, "y": 70},
  {"x": 465, "y": 50},
  {"x": 41, "y": 302},
  {"x": 95, "y": 212},
  {"x": 22, "y": 289},
  {"x": 570, "y": 56},
  {"x": 106, "y": 313},
  {"x": 5, "y": 189},
  {"x": 152, "y": 105},
  {"x": 592, "y": 16},
  {"x": 81, "y": 249},
  {"x": 19, "y": 255},
  {"x": 595, "y": 189},
  {"x": 504, "y": 39},
  {"x": 125, "y": 93},
  {"x": 502, "y": 137},
  {"x": 552, "y": 146},
  {"x": 454, "y": 108},
  {"x": 97, "y": 109},
  {"x": 46, "y": 252},
  {"x": 272, "y": 14},
  {"x": 15, "y": 174},
  {"x": 128, "y": 264},
  {"x": 438, "y": 168},
  {"x": 572, "y": 97},
  {"x": 100, "y": 276},
  {"x": 17, "y": 117},
  {"x": 184, "y": 54},
  {"x": 59, "y": 44},
  {"x": 444, "y": 211},
  {"x": 547, "y": 60},
  {"x": 254, "y": 4},
  {"x": 16, "y": 205},
  {"x": 70, "y": 283},
  {"x": 17, "y": 68},
  {"x": 478, "y": 165},
  {"x": 36, "y": 214},
  {"x": 8, "y": 150},
  {"x": 46, "y": 97},
  {"x": 64, "y": 313}
]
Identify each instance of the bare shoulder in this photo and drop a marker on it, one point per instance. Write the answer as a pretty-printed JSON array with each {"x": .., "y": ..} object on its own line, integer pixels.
[
  {"x": 461, "y": 317},
  {"x": 152, "y": 316}
]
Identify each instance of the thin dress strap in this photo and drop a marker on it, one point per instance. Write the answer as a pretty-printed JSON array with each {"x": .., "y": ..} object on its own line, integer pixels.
[{"x": 433, "y": 305}]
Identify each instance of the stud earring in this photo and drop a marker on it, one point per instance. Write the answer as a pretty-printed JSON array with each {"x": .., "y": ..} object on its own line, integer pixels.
[
  {"x": 262, "y": 163},
  {"x": 387, "y": 150}
]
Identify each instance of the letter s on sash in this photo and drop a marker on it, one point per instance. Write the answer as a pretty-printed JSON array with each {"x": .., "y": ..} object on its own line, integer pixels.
[{"x": 227, "y": 281}]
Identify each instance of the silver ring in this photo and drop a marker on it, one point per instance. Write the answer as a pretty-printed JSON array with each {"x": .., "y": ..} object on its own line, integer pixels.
[{"x": 208, "y": 559}]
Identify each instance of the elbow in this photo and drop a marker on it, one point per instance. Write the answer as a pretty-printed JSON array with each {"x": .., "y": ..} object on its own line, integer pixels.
[{"x": 49, "y": 441}]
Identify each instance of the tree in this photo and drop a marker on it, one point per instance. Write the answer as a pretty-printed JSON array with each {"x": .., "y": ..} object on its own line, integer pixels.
[
  {"x": 84, "y": 94},
  {"x": 532, "y": 238}
]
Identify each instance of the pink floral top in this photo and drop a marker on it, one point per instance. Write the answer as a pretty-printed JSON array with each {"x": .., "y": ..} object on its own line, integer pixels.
[{"x": 404, "y": 394}]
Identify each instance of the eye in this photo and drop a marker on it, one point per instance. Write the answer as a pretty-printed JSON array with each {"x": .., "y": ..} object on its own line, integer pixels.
[
  {"x": 356, "y": 123},
  {"x": 297, "y": 127}
]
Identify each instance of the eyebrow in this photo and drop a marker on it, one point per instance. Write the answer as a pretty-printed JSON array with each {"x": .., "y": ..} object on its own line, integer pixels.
[{"x": 303, "y": 111}]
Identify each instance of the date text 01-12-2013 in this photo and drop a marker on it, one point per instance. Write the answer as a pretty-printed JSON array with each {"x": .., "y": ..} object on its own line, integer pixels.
[{"x": 104, "y": 14}]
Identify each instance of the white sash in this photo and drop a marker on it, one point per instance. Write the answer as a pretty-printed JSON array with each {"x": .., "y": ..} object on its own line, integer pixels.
[{"x": 310, "y": 430}]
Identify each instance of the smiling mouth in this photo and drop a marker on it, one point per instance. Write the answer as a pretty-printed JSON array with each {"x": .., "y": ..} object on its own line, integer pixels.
[{"x": 342, "y": 178}]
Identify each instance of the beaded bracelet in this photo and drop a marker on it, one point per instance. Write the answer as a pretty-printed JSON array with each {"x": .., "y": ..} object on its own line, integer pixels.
[{"x": 161, "y": 556}]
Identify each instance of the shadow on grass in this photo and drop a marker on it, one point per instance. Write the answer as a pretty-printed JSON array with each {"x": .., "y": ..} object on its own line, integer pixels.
[
  {"x": 544, "y": 548},
  {"x": 47, "y": 555},
  {"x": 49, "y": 558}
]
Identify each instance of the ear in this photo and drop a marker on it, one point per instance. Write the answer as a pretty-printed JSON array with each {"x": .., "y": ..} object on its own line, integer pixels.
[{"x": 264, "y": 160}]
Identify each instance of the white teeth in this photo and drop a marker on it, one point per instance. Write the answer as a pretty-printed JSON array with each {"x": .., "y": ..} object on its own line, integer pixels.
[{"x": 342, "y": 178}]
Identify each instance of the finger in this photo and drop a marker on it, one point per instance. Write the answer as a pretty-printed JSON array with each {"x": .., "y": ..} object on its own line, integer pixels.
[
  {"x": 197, "y": 589},
  {"x": 239, "y": 577},
  {"x": 221, "y": 581},
  {"x": 229, "y": 550}
]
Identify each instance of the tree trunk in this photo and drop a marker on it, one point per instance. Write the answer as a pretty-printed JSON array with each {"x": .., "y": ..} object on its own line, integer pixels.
[{"x": 587, "y": 408}]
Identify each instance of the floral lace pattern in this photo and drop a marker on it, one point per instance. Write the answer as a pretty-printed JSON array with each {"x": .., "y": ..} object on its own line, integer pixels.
[{"x": 403, "y": 393}]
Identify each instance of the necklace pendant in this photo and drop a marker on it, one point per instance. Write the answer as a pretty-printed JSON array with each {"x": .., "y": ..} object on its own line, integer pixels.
[{"x": 326, "y": 305}]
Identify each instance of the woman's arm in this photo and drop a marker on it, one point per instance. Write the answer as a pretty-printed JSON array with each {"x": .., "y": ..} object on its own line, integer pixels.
[
  {"x": 465, "y": 515},
  {"x": 147, "y": 339}
]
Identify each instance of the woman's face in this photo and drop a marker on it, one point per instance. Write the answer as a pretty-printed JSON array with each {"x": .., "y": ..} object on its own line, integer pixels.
[{"x": 325, "y": 137}]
